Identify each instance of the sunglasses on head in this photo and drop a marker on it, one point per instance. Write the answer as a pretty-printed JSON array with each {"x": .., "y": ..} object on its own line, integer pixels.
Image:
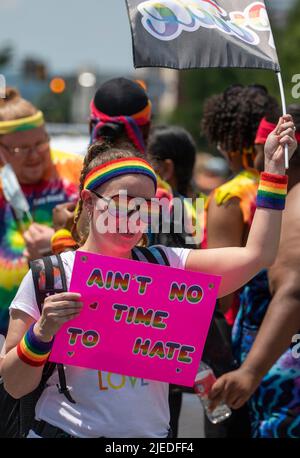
[{"x": 124, "y": 206}]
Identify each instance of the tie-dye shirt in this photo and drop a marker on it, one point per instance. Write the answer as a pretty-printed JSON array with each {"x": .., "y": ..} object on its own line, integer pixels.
[{"x": 42, "y": 198}]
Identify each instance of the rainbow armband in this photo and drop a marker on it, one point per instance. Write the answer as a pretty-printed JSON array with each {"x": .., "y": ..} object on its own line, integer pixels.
[
  {"x": 272, "y": 191},
  {"x": 33, "y": 351}
]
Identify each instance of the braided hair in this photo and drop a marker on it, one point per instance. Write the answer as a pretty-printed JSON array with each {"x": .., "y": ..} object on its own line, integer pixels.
[
  {"x": 232, "y": 118},
  {"x": 99, "y": 153}
]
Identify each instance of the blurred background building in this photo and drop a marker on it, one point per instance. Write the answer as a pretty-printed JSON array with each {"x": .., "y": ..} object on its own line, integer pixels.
[{"x": 59, "y": 63}]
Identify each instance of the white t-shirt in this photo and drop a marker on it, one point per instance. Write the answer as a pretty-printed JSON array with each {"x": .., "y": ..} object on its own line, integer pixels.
[{"x": 107, "y": 405}]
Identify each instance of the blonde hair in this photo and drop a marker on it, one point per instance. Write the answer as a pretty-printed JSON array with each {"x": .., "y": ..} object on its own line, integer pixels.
[{"x": 13, "y": 106}]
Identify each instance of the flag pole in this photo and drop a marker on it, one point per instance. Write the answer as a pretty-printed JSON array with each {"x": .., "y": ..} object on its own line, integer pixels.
[{"x": 283, "y": 103}]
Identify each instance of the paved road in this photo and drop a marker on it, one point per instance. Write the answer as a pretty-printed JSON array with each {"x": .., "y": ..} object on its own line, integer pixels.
[{"x": 191, "y": 417}]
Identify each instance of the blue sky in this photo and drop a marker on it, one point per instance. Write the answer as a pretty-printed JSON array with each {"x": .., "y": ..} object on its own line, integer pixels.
[{"x": 69, "y": 34}]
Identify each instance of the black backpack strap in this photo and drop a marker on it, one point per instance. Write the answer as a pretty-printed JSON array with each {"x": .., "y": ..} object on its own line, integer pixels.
[
  {"x": 62, "y": 387},
  {"x": 162, "y": 254},
  {"x": 49, "y": 278},
  {"x": 154, "y": 254}
]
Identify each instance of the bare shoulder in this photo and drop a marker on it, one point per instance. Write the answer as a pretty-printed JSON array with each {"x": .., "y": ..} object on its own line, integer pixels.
[
  {"x": 291, "y": 214},
  {"x": 225, "y": 224},
  {"x": 293, "y": 202},
  {"x": 286, "y": 266}
]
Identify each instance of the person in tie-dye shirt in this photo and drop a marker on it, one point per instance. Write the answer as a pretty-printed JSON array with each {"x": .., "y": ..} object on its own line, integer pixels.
[{"x": 47, "y": 178}]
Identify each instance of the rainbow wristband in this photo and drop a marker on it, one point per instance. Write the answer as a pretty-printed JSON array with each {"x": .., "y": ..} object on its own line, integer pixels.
[
  {"x": 272, "y": 191},
  {"x": 32, "y": 351}
]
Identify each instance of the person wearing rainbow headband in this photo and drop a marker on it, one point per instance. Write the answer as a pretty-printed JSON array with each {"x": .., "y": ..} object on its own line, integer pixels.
[
  {"x": 46, "y": 177},
  {"x": 120, "y": 113},
  {"x": 142, "y": 410}
]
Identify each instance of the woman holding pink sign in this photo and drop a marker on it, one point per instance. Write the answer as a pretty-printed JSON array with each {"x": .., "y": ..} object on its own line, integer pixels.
[{"x": 141, "y": 410}]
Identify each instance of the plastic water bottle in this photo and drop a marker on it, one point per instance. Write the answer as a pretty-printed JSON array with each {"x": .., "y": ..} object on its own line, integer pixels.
[{"x": 203, "y": 382}]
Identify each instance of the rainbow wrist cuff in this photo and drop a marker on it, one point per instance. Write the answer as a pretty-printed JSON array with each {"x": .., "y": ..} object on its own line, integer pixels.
[
  {"x": 272, "y": 191},
  {"x": 32, "y": 351}
]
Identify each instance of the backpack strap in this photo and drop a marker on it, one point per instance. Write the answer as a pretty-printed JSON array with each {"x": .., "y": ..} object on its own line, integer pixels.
[
  {"x": 49, "y": 278},
  {"x": 154, "y": 254}
]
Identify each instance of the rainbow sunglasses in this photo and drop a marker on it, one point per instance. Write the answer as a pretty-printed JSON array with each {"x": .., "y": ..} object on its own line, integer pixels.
[{"x": 124, "y": 207}]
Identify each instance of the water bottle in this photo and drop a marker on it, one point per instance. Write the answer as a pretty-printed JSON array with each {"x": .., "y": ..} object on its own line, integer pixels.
[{"x": 204, "y": 380}]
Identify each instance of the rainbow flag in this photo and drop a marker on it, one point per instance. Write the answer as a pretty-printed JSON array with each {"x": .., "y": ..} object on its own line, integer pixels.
[{"x": 185, "y": 34}]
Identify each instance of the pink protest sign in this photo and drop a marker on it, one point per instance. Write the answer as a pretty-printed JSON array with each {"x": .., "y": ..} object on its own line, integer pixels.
[{"x": 139, "y": 319}]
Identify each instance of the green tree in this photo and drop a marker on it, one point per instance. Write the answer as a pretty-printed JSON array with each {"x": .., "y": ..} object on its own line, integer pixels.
[
  {"x": 197, "y": 85},
  {"x": 56, "y": 107},
  {"x": 289, "y": 50}
]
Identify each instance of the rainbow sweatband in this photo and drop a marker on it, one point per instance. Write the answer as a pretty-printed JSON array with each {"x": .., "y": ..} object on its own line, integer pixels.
[
  {"x": 264, "y": 130},
  {"x": 61, "y": 240},
  {"x": 272, "y": 191},
  {"x": 20, "y": 125},
  {"x": 112, "y": 169},
  {"x": 32, "y": 351}
]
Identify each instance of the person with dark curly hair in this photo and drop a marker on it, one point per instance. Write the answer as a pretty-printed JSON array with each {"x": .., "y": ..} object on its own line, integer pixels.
[
  {"x": 269, "y": 373},
  {"x": 230, "y": 121}
]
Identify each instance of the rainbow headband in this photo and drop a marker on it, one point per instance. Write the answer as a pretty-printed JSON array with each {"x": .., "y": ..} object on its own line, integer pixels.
[
  {"x": 20, "y": 125},
  {"x": 264, "y": 129},
  {"x": 112, "y": 169}
]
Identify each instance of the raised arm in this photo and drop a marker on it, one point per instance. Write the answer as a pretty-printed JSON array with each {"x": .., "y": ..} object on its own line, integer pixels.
[
  {"x": 220, "y": 234},
  {"x": 237, "y": 266},
  {"x": 282, "y": 320}
]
